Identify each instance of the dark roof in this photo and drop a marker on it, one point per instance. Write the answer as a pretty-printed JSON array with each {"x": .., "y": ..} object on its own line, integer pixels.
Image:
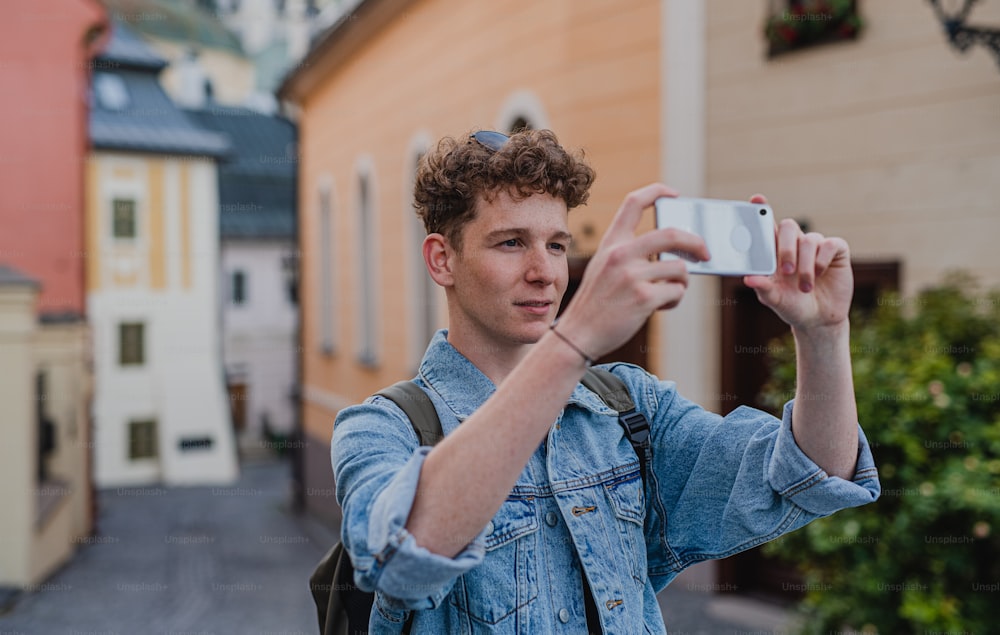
[
  {"x": 180, "y": 21},
  {"x": 128, "y": 50},
  {"x": 11, "y": 276},
  {"x": 257, "y": 188},
  {"x": 262, "y": 144},
  {"x": 146, "y": 120}
]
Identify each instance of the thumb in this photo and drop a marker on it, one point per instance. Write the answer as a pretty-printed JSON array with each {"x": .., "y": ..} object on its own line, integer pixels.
[
  {"x": 764, "y": 286},
  {"x": 758, "y": 282}
]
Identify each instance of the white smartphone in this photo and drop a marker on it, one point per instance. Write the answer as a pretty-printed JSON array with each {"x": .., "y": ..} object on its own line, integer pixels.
[{"x": 739, "y": 234}]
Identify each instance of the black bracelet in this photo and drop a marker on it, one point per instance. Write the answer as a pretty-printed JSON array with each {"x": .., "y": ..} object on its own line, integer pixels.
[{"x": 586, "y": 359}]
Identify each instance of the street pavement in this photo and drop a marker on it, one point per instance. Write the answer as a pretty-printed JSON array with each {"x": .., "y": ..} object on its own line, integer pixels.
[{"x": 236, "y": 560}]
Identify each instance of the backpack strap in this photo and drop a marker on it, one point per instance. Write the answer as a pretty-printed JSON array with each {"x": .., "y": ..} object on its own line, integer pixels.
[
  {"x": 614, "y": 393},
  {"x": 415, "y": 403}
]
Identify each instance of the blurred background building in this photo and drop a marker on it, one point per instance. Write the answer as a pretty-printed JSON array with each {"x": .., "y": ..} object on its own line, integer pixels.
[
  {"x": 202, "y": 56},
  {"x": 46, "y": 490},
  {"x": 238, "y": 49},
  {"x": 152, "y": 280},
  {"x": 123, "y": 178},
  {"x": 855, "y": 118},
  {"x": 219, "y": 63},
  {"x": 259, "y": 264}
]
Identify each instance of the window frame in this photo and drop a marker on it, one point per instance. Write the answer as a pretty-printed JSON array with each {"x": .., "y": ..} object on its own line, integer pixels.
[
  {"x": 134, "y": 220},
  {"x": 151, "y": 441},
  {"x": 238, "y": 287},
  {"x": 126, "y": 360}
]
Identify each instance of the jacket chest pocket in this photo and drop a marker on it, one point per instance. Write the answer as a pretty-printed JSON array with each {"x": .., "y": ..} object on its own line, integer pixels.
[
  {"x": 506, "y": 581},
  {"x": 629, "y": 505}
]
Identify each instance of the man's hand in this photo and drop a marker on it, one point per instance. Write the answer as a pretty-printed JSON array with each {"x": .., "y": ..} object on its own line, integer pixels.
[
  {"x": 814, "y": 283},
  {"x": 622, "y": 285}
]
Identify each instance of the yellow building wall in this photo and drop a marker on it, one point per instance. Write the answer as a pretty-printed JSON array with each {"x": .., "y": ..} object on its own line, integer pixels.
[
  {"x": 890, "y": 141},
  {"x": 18, "y": 462},
  {"x": 145, "y": 262},
  {"x": 443, "y": 68},
  {"x": 63, "y": 352},
  {"x": 35, "y": 544}
]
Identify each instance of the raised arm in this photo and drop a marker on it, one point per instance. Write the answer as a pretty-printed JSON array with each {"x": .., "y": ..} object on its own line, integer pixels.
[{"x": 811, "y": 292}]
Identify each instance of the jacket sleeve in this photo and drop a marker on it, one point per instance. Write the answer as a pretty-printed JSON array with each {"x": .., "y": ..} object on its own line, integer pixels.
[
  {"x": 721, "y": 485},
  {"x": 376, "y": 465}
]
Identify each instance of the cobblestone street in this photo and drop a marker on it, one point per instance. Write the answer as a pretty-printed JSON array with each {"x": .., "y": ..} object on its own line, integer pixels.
[
  {"x": 184, "y": 560},
  {"x": 235, "y": 560}
]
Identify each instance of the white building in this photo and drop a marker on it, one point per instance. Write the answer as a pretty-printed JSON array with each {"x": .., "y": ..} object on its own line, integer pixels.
[
  {"x": 259, "y": 343},
  {"x": 258, "y": 295},
  {"x": 160, "y": 407}
]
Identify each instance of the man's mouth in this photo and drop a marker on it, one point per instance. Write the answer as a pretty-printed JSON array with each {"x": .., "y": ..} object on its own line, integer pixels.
[{"x": 535, "y": 307}]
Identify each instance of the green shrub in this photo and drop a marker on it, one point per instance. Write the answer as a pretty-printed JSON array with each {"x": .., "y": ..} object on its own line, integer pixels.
[{"x": 926, "y": 556}]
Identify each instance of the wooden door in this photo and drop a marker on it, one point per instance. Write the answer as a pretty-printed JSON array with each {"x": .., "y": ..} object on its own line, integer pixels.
[{"x": 238, "y": 406}]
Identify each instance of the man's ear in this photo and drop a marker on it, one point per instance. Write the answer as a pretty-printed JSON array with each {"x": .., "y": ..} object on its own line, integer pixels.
[{"x": 438, "y": 256}]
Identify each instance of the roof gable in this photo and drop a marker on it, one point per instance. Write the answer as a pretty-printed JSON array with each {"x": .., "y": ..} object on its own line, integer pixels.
[{"x": 130, "y": 111}]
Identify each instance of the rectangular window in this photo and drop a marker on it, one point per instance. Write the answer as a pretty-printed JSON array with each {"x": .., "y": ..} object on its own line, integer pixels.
[
  {"x": 131, "y": 344},
  {"x": 124, "y": 217},
  {"x": 142, "y": 440},
  {"x": 290, "y": 273},
  {"x": 239, "y": 287},
  {"x": 46, "y": 427}
]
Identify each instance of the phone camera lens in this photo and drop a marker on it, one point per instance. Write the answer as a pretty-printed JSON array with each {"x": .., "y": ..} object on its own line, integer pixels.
[{"x": 763, "y": 212}]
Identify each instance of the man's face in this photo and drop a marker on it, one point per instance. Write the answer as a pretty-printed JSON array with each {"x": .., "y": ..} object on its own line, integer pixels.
[{"x": 512, "y": 270}]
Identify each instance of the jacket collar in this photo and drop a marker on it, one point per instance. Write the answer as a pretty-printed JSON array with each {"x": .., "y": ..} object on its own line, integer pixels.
[{"x": 463, "y": 387}]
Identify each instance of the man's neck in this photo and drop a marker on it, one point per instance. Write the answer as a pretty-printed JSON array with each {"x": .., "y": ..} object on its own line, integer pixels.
[{"x": 494, "y": 359}]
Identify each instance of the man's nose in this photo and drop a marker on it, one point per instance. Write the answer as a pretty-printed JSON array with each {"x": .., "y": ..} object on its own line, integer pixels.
[{"x": 541, "y": 266}]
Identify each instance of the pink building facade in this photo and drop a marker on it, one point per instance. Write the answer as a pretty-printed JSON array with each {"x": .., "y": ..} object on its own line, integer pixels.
[{"x": 46, "y": 48}]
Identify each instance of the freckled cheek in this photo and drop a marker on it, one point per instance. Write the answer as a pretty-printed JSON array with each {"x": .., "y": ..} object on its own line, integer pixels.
[{"x": 560, "y": 293}]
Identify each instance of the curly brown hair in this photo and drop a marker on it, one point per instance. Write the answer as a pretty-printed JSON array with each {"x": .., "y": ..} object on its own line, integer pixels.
[{"x": 452, "y": 177}]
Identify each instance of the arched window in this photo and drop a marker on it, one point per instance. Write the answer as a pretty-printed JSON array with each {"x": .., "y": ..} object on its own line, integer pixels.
[
  {"x": 522, "y": 109},
  {"x": 521, "y": 123}
]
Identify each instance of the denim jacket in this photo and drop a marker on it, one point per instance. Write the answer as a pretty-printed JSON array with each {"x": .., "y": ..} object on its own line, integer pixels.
[{"x": 716, "y": 486}]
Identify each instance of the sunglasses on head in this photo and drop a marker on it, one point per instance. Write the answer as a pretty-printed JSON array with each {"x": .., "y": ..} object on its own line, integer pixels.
[{"x": 489, "y": 139}]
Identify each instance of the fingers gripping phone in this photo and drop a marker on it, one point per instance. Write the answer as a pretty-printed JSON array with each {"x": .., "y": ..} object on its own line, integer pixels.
[{"x": 739, "y": 234}]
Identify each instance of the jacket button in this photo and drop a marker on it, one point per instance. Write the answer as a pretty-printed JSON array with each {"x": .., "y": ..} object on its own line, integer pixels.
[
  {"x": 563, "y": 616},
  {"x": 489, "y": 528},
  {"x": 551, "y": 519}
]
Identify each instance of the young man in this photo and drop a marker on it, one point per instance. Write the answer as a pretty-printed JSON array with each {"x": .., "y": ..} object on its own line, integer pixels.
[{"x": 531, "y": 516}]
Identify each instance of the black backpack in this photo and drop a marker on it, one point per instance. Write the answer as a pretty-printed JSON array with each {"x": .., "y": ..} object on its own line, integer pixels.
[{"x": 344, "y": 609}]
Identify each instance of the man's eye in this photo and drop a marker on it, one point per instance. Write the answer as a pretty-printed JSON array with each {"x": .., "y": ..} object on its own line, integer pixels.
[
  {"x": 558, "y": 246},
  {"x": 510, "y": 242}
]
